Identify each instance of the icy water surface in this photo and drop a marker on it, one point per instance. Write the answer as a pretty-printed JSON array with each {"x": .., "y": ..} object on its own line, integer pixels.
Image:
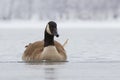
[{"x": 93, "y": 54}]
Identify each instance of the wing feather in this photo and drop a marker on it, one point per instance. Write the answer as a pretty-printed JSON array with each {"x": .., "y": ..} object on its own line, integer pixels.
[{"x": 33, "y": 50}]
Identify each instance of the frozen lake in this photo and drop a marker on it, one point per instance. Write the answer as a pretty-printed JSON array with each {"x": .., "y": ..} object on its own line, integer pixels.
[{"x": 93, "y": 54}]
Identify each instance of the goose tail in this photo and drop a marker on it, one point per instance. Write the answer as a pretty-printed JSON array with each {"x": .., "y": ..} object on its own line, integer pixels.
[{"x": 65, "y": 42}]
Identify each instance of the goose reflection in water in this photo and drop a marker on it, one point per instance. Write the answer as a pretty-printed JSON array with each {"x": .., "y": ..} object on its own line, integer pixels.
[{"x": 50, "y": 74}]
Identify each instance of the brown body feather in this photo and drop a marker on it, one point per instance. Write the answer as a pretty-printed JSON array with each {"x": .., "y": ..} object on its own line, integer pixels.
[{"x": 33, "y": 51}]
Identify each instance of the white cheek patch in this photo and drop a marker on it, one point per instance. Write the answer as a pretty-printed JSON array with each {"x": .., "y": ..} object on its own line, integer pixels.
[{"x": 48, "y": 29}]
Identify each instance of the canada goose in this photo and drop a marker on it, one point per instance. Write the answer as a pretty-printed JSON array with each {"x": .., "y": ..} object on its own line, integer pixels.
[{"x": 48, "y": 49}]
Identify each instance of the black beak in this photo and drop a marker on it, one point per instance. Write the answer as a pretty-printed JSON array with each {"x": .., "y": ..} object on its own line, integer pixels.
[{"x": 55, "y": 33}]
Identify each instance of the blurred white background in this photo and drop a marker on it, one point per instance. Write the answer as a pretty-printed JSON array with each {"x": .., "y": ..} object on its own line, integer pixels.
[
  {"x": 30, "y": 12},
  {"x": 59, "y": 9}
]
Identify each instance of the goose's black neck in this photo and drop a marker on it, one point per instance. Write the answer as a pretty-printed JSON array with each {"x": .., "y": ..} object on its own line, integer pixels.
[{"x": 48, "y": 39}]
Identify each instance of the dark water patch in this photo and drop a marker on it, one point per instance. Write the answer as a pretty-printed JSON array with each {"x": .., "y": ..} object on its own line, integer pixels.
[
  {"x": 56, "y": 62},
  {"x": 34, "y": 62}
]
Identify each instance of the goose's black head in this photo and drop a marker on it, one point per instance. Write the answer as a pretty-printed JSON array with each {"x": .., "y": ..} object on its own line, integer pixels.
[
  {"x": 50, "y": 32},
  {"x": 51, "y": 29}
]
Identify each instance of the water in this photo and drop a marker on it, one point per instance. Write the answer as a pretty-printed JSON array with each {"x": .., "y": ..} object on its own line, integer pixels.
[{"x": 93, "y": 54}]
